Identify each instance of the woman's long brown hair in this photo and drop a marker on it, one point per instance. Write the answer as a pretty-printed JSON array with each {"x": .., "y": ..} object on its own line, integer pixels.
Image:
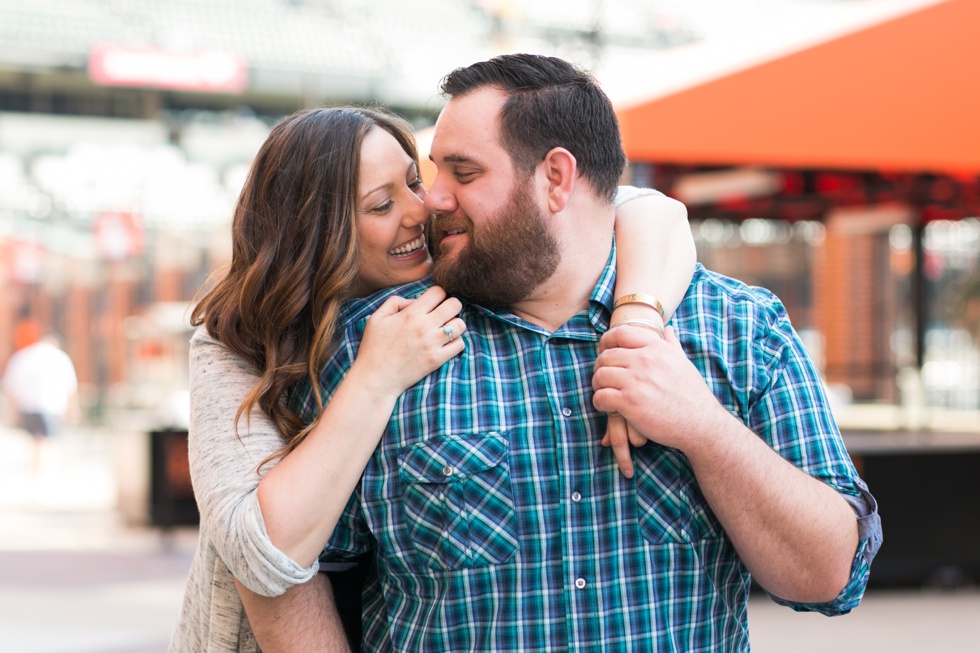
[{"x": 294, "y": 255}]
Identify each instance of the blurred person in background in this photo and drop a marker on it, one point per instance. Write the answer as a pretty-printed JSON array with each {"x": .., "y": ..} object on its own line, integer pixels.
[
  {"x": 332, "y": 210},
  {"x": 41, "y": 383},
  {"x": 495, "y": 522}
]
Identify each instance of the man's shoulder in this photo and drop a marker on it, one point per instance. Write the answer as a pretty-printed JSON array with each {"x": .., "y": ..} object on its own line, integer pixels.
[
  {"x": 739, "y": 326},
  {"x": 356, "y": 311},
  {"x": 710, "y": 282},
  {"x": 350, "y": 328},
  {"x": 712, "y": 294}
]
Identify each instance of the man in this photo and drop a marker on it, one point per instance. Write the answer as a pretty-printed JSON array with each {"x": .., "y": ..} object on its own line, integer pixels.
[{"x": 497, "y": 520}]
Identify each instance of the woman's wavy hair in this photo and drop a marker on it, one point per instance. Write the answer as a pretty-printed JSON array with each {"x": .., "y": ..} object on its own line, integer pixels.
[{"x": 294, "y": 255}]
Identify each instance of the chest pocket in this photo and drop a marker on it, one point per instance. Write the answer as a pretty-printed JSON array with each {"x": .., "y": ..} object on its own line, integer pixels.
[
  {"x": 671, "y": 509},
  {"x": 457, "y": 500}
]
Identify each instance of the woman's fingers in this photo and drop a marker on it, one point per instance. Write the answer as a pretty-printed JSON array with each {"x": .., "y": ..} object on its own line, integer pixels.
[
  {"x": 453, "y": 329},
  {"x": 392, "y": 305},
  {"x": 431, "y": 308},
  {"x": 617, "y": 437},
  {"x": 407, "y": 339},
  {"x": 431, "y": 298}
]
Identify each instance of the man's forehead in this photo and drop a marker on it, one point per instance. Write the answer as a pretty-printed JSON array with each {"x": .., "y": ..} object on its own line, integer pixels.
[
  {"x": 486, "y": 98},
  {"x": 468, "y": 125}
]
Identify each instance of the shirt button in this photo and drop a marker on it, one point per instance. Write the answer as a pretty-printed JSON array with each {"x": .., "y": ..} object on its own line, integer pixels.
[
  {"x": 576, "y": 497},
  {"x": 448, "y": 470},
  {"x": 566, "y": 412},
  {"x": 580, "y": 583}
]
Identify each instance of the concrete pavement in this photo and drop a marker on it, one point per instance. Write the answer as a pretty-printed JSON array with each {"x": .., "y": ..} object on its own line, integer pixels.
[{"x": 76, "y": 578}]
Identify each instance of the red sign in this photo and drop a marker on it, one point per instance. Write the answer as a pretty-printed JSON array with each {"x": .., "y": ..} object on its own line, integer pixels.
[
  {"x": 26, "y": 261},
  {"x": 118, "y": 236},
  {"x": 208, "y": 71}
]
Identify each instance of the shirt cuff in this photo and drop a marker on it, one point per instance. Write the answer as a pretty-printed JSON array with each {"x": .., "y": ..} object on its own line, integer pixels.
[{"x": 870, "y": 537}]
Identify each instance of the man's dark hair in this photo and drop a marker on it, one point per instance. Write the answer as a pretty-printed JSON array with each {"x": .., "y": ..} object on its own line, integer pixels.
[{"x": 551, "y": 103}]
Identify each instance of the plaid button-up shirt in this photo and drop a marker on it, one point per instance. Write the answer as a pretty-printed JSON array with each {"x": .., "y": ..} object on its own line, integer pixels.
[{"x": 500, "y": 523}]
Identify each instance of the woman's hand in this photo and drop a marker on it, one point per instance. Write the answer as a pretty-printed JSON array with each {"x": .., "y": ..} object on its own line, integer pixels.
[
  {"x": 407, "y": 339},
  {"x": 304, "y": 495}
]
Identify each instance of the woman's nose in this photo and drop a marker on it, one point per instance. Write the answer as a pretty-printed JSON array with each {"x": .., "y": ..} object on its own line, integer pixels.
[{"x": 417, "y": 213}]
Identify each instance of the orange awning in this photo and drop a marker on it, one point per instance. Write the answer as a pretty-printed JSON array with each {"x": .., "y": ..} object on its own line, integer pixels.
[{"x": 903, "y": 95}]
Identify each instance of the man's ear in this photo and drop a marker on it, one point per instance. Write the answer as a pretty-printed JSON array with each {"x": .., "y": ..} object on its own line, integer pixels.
[{"x": 561, "y": 170}]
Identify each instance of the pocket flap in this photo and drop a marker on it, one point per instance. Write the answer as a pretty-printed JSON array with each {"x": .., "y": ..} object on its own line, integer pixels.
[{"x": 447, "y": 458}]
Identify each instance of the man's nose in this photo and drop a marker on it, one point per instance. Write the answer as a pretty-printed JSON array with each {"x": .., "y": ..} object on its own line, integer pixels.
[{"x": 439, "y": 199}]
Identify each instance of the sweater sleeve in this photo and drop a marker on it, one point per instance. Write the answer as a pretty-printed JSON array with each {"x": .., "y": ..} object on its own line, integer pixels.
[
  {"x": 626, "y": 193},
  {"x": 225, "y": 470}
]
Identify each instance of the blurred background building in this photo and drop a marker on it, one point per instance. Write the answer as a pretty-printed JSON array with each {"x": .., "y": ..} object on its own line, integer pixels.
[
  {"x": 826, "y": 149},
  {"x": 127, "y": 127}
]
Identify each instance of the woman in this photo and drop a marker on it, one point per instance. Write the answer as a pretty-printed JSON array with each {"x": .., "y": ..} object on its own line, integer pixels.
[{"x": 332, "y": 209}]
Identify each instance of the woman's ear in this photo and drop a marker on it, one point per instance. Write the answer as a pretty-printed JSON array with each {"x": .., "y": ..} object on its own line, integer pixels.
[{"x": 561, "y": 170}]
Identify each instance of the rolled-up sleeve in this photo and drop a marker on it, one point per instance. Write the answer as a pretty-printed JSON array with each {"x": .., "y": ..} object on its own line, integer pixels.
[
  {"x": 870, "y": 537},
  {"x": 225, "y": 469},
  {"x": 795, "y": 418}
]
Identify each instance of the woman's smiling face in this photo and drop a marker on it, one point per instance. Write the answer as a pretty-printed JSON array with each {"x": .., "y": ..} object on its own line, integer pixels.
[{"x": 390, "y": 216}]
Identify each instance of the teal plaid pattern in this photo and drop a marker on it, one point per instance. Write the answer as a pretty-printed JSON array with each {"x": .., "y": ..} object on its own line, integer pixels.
[{"x": 501, "y": 524}]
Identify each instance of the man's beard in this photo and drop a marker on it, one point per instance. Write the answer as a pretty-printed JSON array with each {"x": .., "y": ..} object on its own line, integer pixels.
[{"x": 505, "y": 259}]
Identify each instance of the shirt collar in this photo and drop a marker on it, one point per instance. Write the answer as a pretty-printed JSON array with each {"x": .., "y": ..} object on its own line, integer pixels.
[
  {"x": 600, "y": 303},
  {"x": 601, "y": 299}
]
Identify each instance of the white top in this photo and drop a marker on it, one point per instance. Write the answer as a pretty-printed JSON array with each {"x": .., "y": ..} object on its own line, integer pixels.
[
  {"x": 40, "y": 378},
  {"x": 232, "y": 539}
]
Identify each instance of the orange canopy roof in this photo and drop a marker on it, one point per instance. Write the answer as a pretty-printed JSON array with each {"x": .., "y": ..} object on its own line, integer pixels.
[{"x": 903, "y": 95}]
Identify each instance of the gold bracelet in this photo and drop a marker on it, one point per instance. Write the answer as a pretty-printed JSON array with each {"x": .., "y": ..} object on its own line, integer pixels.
[
  {"x": 640, "y": 298},
  {"x": 643, "y": 323}
]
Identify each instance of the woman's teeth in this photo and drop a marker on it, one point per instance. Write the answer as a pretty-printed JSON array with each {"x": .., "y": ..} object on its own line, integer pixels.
[{"x": 409, "y": 247}]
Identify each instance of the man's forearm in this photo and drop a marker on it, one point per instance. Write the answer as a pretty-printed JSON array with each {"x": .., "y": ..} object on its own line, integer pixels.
[
  {"x": 305, "y": 618},
  {"x": 796, "y": 535}
]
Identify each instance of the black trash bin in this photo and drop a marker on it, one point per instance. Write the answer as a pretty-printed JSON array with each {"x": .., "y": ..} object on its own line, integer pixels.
[{"x": 171, "y": 494}]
